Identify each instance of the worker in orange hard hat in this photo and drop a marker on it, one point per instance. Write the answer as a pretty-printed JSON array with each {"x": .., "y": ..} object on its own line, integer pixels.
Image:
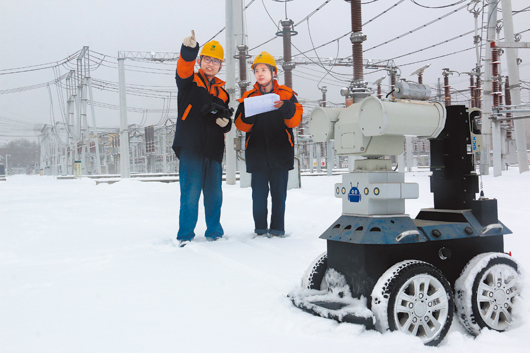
[
  {"x": 203, "y": 119},
  {"x": 269, "y": 145}
]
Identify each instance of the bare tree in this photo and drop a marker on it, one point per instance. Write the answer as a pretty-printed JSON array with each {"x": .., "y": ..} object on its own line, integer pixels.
[{"x": 22, "y": 153}]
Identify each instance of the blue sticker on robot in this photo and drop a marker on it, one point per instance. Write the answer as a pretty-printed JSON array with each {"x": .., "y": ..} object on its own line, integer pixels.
[{"x": 354, "y": 195}]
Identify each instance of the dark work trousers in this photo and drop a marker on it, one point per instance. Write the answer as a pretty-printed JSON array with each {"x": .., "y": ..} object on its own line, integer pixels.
[
  {"x": 277, "y": 180},
  {"x": 198, "y": 173}
]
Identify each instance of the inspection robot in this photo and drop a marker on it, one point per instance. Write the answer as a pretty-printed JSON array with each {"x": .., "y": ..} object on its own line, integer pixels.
[{"x": 388, "y": 271}]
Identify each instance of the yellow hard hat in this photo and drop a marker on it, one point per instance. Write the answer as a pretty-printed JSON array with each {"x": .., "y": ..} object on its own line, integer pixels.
[
  {"x": 265, "y": 58},
  {"x": 214, "y": 49}
]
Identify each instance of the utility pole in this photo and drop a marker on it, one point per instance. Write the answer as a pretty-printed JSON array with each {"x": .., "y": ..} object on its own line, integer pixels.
[
  {"x": 164, "y": 149},
  {"x": 320, "y": 145},
  {"x": 497, "y": 145},
  {"x": 70, "y": 123},
  {"x": 515, "y": 89},
  {"x": 77, "y": 120},
  {"x": 329, "y": 145},
  {"x": 82, "y": 73},
  {"x": 94, "y": 127},
  {"x": 7, "y": 165},
  {"x": 239, "y": 141},
  {"x": 84, "y": 124},
  {"x": 125, "y": 164},
  {"x": 54, "y": 151},
  {"x": 288, "y": 65},
  {"x": 475, "y": 7},
  {"x": 496, "y": 132},
  {"x": 488, "y": 99},
  {"x": 506, "y": 130},
  {"x": 234, "y": 27}
]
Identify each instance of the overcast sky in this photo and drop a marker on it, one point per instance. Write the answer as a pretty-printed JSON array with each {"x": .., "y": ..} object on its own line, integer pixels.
[{"x": 34, "y": 32}]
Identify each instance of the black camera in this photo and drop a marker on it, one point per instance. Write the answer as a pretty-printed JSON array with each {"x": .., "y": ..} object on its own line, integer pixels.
[{"x": 213, "y": 110}]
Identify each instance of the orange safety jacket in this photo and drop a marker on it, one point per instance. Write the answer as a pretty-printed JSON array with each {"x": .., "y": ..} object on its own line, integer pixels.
[
  {"x": 196, "y": 127},
  {"x": 269, "y": 140}
]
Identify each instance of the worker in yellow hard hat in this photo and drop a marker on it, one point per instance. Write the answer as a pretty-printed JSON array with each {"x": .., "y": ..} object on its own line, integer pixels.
[
  {"x": 263, "y": 78},
  {"x": 269, "y": 145},
  {"x": 211, "y": 58},
  {"x": 203, "y": 119}
]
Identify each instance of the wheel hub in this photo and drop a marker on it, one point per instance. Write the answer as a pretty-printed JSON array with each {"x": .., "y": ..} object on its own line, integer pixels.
[
  {"x": 498, "y": 286},
  {"x": 420, "y": 309},
  {"x": 499, "y": 296},
  {"x": 423, "y": 307}
]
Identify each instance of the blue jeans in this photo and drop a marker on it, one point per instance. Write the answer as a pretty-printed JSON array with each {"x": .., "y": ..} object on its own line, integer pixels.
[
  {"x": 197, "y": 173},
  {"x": 277, "y": 179}
]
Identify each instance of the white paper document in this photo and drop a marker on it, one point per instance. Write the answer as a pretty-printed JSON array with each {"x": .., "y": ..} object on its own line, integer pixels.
[{"x": 260, "y": 104}]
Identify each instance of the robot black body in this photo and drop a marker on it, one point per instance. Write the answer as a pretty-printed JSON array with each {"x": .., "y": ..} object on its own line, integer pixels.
[
  {"x": 449, "y": 235},
  {"x": 415, "y": 272}
]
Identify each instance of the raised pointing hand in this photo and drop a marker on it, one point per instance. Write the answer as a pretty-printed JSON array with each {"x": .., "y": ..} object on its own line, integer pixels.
[{"x": 190, "y": 41}]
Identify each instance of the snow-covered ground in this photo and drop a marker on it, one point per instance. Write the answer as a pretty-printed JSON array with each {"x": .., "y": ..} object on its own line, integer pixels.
[{"x": 93, "y": 268}]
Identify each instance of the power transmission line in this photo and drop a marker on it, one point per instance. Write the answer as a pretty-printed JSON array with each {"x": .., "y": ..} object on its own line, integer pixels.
[
  {"x": 16, "y": 128},
  {"x": 438, "y": 57},
  {"x": 314, "y": 12},
  {"x": 222, "y": 29},
  {"x": 39, "y": 66},
  {"x": 417, "y": 28},
  {"x": 349, "y": 32},
  {"x": 432, "y": 46},
  {"x": 28, "y": 88},
  {"x": 438, "y": 7}
]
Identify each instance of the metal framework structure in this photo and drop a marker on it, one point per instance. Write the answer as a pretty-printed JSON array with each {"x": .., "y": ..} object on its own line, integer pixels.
[
  {"x": 125, "y": 165},
  {"x": 149, "y": 56},
  {"x": 79, "y": 90}
]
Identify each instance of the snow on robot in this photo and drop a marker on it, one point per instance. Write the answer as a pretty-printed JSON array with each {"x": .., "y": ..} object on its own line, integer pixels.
[{"x": 387, "y": 271}]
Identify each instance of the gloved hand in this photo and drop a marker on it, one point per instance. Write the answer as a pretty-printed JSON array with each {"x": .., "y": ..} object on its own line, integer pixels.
[
  {"x": 190, "y": 41},
  {"x": 222, "y": 122}
]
